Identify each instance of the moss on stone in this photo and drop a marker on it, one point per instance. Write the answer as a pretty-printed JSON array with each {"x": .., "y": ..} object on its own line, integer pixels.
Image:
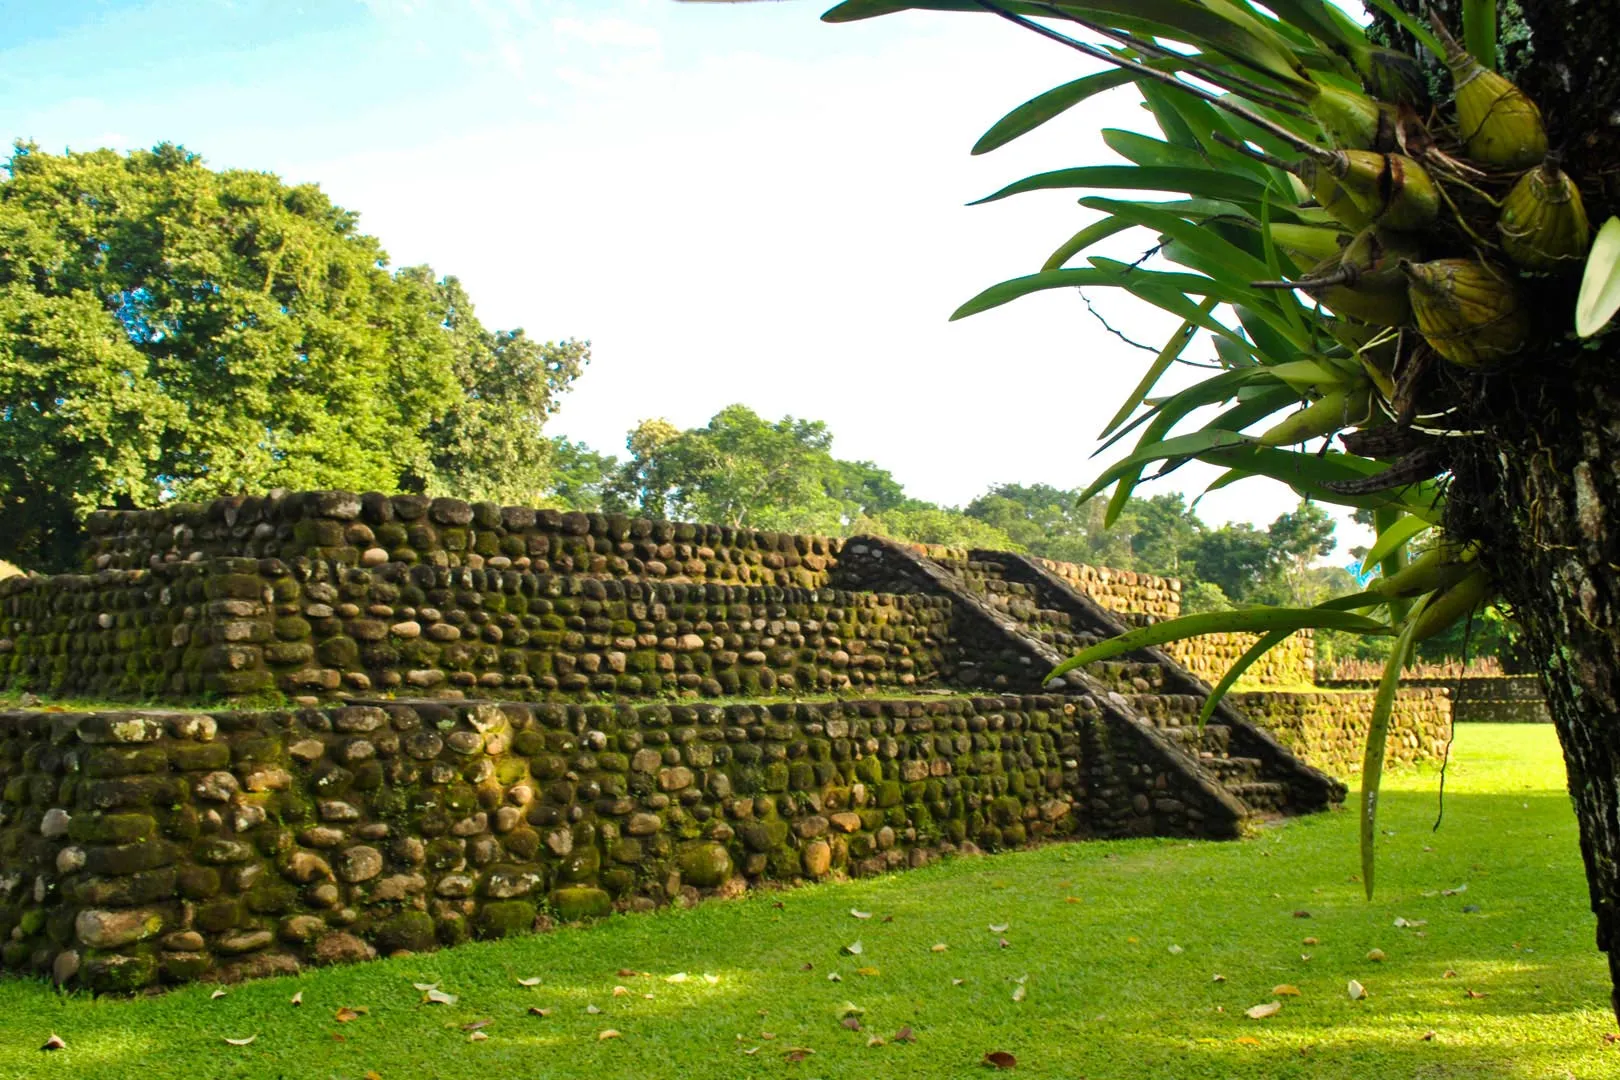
[
  {"x": 498, "y": 918},
  {"x": 413, "y": 930}
]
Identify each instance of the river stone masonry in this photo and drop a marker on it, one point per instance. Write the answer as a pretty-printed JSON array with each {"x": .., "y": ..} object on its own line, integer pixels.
[{"x": 152, "y": 847}]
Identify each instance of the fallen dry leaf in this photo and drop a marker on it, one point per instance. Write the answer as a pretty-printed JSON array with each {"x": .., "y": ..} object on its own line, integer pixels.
[
  {"x": 796, "y": 1054},
  {"x": 888, "y": 918},
  {"x": 1310, "y": 941},
  {"x": 1071, "y": 899},
  {"x": 854, "y": 948},
  {"x": 860, "y": 914},
  {"x": 535, "y": 1010},
  {"x": 346, "y": 1014},
  {"x": 531, "y": 981},
  {"x": 1018, "y": 992},
  {"x": 1218, "y": 978},
  {"x": 1357, "y": 991},
  {"x": 592, "y": 1010},
  {"x": 808, "y": 967},
  {"x": 1411, "y": 923},
  {"x": 1175, "y": 950},
  {"x": 833, "y": 976},
  {"x": 1000, "y": 1059},
  {"x": 866, "y": 971},
  {"x": 1260, "y": 1012},
  {"x": 1476, "y": 993},
  {"x": 1305, "y": 956},
  {"x": 768, "y": 1036},
  {"x": 1302, "y": 914},
  {"x": 1376, "y": 955},
  {"x": 1005, "y": 944},
  {"x": 1247, "y": 1040},
  {"x": 425, "y": 987},
  {"x": 54, "y": 1043},
  {"x": 1133, "y": 940},
  {"x": 438, "y": 997},
  {"x": 241, "y": 1042},
  {"x": 602, "y": 1036},
  {"x": 1285, "y": 990},
  {"x": 680, "y": 976},
  {"x": 478, "y": 1036},
  {"x": 1608, "y": 1036},
  {"x": 712, "y": 980},
  {"x": 478, "y": 1024},
  {"x": 751, "y": 1051},
  {"x": 941, "y": 947},
  {"x": 849, "y": 1008},
  {"x": 958, "y": 982},
  {"x": 999, "y": 928},
  {"x": 621, "y": 991},
  {"x": 627, "y": 973},
  {"x": 905, "y": 1035},
  {"x": 1449, "y": 974},
  {"x": 876, "y": 1040},
  {"x": 1428, "y": 1036},
  {"x": 851, "y": 1023},
  {"x": 216, "y": 995},
  {"x": 298, "y": 998}
]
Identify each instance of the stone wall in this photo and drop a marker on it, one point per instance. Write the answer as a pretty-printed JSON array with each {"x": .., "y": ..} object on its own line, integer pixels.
[
  {"x": 232, "y": 626},
  {"x": 1481, "y": 699},
  {"x": 1292, "y": 662},
  {"x": 1145, "y": 597},
  {"x": 370, "y": 530},
  {"x": 160, "y": 846},
  {"x": 1329, "y": 728}
]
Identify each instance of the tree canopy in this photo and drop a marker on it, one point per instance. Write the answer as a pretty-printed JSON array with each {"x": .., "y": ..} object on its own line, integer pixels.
[{"x": 168, "y": 331}]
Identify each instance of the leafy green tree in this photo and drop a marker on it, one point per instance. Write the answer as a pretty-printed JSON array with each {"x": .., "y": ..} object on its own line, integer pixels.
[
  {"x": 921, "y": 523},
  {"x": 172, "y": 332},
  {"x": 582, "y": 479}
]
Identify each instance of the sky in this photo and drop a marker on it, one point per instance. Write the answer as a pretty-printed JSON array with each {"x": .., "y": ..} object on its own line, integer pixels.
[{"x": 732, "y": 202}]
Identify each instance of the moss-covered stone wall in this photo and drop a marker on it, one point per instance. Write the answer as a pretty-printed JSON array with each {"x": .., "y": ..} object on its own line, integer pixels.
[
  {"x": 1292, "y": 662},
  {"x": 369, "y": 530},
  {"x": 160, "y": 846},
  {"x": 1329, "y": 728},
  {"x": 305, "y": 627}
]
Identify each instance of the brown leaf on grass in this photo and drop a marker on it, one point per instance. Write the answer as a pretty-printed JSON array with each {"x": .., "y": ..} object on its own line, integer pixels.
[
  {"x": 808, "y": 967},
  {"x": 1000, "y": 1059},
  {"x": 621, "y": 991},
  {"x": 1475, "y": 993},
  {"x": 242, "y": 1042},
  {"x": 941, "y": 947},
  {"x": 1285, "y": 990},
  {"x": 1310, "y": 941},
  {"x": 888, "y": 918},
  {"x": 1428, "y": 1036},
  {"x": 345, "y": 1014},
  {"x": 905, "y": 1035},
  {"x": 535, "y": 1010},
  {"x": 478, "y": 1024},
  {"x": 1261, "y": 1011},
  {"x": 372, "y": 1074},
  {"x": 629, "y": 973},
  {"x": 1247, "y": 1040},
  {"x": 1005, "y": 944},
  {"x": 850, "y": 1023},
  {"x": 795, "y": 1054},
  {"x": 768, "y": 1036},
  {"x": 1376, "y": 955},
  {"x": 1608, "y": 1036},
  {"x": 478, "y": 1036},
  {"x": 1302, "y": 914},
  {"x": 55, "y": 1042},
  {"x": 1449, "y": 974},
  {"x": 609, "y": 1033},
  {"x": 1071, "y": 899}
]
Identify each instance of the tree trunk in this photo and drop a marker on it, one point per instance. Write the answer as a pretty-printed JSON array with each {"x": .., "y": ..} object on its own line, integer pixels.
[{"x": 1541, "y": 486}]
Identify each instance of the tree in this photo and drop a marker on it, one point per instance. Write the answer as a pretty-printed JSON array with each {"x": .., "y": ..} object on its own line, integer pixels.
[
  {"x": 1431, "y": 209},
  {"x": 171, "y": 332},
  {"x": 581, "y": 478}
]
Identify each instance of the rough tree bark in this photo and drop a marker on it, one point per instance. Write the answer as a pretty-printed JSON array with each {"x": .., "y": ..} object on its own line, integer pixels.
[{"x": 1540, "y": 486}]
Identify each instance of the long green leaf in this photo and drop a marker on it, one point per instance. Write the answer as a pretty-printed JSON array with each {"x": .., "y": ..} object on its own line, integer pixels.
[
  {"x": 1391, "y": 539},
  {"x": 1479, "y": 30},
  {"x": 1308, "y": 473},
  {"x": 1091, "y": 234},
  {"x": 1043, "y": 107},
  {"x": 1254, "y": 620},
  {"x": 1204, "y": 182},
  {"x": 1372, "y": 761},
  {"x": 1227, "y": 263},
  {"x": 1265, "y": 644},
  {"x": 1173, "y": 348}
]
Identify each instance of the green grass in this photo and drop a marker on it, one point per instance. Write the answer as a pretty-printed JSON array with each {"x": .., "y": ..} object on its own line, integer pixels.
[{"x": 1106, "y": 998}]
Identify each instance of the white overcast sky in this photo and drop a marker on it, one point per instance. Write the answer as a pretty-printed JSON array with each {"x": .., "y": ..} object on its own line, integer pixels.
[{"x": 733, "y": 202}]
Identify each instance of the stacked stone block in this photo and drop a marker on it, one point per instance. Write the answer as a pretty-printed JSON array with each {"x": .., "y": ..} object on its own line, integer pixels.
[{"x": 149, "y": 846}]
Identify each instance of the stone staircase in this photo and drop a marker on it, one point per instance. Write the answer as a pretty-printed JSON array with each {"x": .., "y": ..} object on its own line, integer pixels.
[{"x": 1149, "y": 687}]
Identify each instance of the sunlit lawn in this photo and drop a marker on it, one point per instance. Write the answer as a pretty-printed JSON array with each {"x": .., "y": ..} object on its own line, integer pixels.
[{"x": 1117, "y": 945}]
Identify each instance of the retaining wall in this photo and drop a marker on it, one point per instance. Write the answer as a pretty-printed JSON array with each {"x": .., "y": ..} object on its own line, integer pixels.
[
  {"x": 1329, "y": 729},
  {"x": 145, "y": 846},
  {"x": 1482, "y": 699}
]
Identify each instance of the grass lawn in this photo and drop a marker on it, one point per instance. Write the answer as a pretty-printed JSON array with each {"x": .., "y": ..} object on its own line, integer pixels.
[{"x": 1114, "y": 945}]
